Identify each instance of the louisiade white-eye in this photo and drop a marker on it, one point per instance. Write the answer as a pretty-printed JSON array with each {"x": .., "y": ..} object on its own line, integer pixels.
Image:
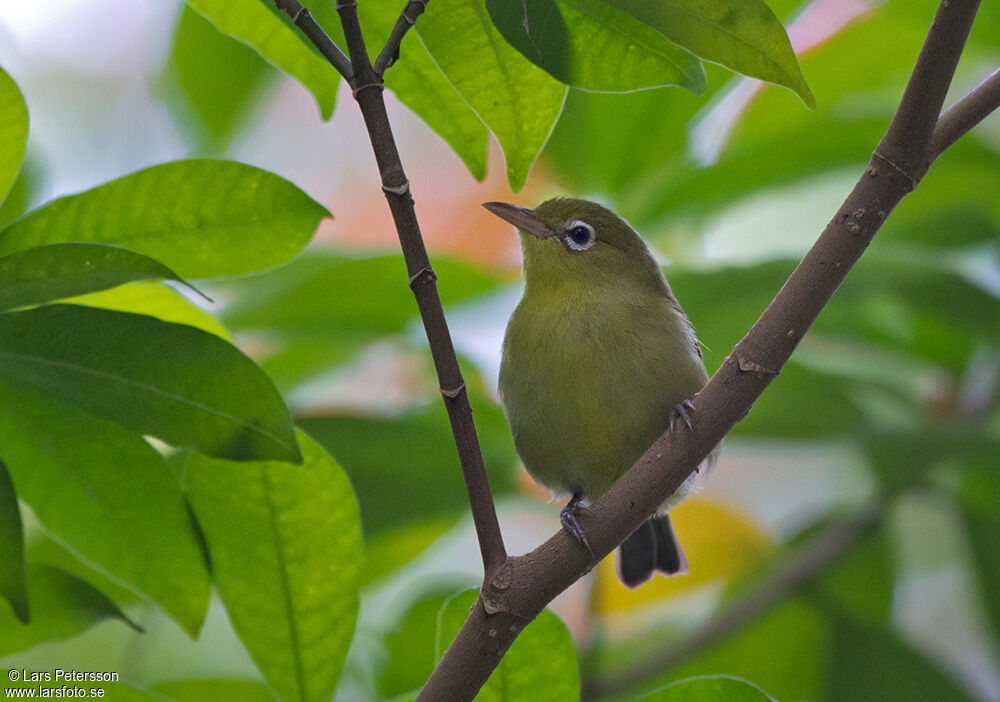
[{"x": 598, "y": 360}]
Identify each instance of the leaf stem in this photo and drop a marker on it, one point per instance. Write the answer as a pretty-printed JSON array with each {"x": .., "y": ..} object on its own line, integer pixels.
[{"x": 407, "y": 18}]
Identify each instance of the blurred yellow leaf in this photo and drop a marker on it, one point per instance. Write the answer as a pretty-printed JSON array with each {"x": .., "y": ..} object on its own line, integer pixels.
[{"x": 720, "y": 541}]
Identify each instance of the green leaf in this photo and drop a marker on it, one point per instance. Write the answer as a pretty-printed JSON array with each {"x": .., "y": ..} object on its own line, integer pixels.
[
  {"x": 12, "y": 584},
  {"x": 308, "y": 311},
  {"x": 590, "y": 45},
  {"x": 884, "y": 668},
  {"x": 270, "y": 34},
  {"x": 540, "y": 665},
  {"x": 518, "y": 101},
  {"x": 409, "y": 644},
  {"x": 55, "y": 271},
  {"x": 862, "y": 581},
  {"x": 107, "y": 495},
  {"x": 215, "y": 691},
  {"x": 177, "y": 383},
  {"x": 743, "y": 35},
  {"x": 393, "y": 549},
  {"x": 710, "y": 688},
  {"x": 979, "y": 497},
  {"x": 285, "y": 543},
  {"x": 156, "y": 301},
  {"x": 201, "y": 218},
  {"x": 63, "y": 605},
  {"x": 218, "y": 80},
  {"x": 420, "y": 85},
  {"x": 418, "y": 450},
  {"x": 13, "y": 131},
  {"x": 785, "y": 652}
]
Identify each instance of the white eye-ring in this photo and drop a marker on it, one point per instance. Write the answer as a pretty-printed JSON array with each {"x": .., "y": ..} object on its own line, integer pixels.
[{"x": 579, "y": 235}]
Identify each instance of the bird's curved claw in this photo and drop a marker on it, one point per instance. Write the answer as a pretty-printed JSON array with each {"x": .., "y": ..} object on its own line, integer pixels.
[
  {"x": 567, "y": 517},
  {"x": 682, "y": 411}
]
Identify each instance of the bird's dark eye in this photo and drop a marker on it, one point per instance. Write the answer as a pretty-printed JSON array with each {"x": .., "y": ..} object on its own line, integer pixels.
[{"x": 579, "y": 235}]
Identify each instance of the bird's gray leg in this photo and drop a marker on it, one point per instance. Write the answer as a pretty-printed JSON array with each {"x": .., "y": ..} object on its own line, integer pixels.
[
  {"x": 681, "y": 411},
  {"x": 568, "y": 519}
]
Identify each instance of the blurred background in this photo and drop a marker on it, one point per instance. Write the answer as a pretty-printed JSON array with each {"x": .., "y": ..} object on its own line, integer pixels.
[{"x": 888, "y": 409}]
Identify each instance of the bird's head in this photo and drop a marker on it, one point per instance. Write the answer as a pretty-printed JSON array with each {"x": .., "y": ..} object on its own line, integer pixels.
[{"x": 574, "y": 242}]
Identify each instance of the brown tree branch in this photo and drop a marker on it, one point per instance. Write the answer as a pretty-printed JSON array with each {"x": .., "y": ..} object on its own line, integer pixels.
[
  {"x": 367, "y": 85},
  {"x": 966, "y": 113},
  {"x": 798, "y": 567},
  {"x": 407, "y": 18},
  {"x": 303, "y": 19},
  {"x": 524, "y": 585}
]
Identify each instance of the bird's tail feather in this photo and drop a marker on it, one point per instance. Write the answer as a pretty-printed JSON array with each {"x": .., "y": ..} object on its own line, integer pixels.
[{"x": 651, "y": 547}]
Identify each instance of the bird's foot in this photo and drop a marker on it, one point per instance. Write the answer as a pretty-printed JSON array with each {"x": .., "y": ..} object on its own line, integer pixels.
[
  {"x": 570, "y": 523},
  {"x": 681, "y": 411}
]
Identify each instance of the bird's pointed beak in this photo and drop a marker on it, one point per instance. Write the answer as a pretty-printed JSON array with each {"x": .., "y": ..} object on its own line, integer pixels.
[{"x": 521, "y": 217}]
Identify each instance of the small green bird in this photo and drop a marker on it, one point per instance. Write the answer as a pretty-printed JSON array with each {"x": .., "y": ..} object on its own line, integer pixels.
[{"x": 598, "y": 360}]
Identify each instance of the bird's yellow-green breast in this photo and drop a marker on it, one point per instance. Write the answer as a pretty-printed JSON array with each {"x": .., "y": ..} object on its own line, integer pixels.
[{"x": 598, "y": 352}]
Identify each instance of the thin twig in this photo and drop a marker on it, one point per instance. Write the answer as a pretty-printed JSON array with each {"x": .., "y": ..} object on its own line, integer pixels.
[
  {"x": 798, "y": 568},
  {"x": 303, "y": 19},
  {"x": 526, "y": 584},
  {"x": 367, "y": 86},
  {"x": 407, "y": 18},
  {"x": 966, "y": 113}
]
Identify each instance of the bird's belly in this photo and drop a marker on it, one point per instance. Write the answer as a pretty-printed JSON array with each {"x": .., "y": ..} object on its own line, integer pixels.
[{"x": 583, "y": 405}]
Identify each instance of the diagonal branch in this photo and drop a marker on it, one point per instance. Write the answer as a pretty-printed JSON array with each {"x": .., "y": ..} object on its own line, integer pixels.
[
  {"x": 407, "y": 18},
  {"x": 524, "y": 585},
  {"x": 798, "y": 568},
  {"x": 303, "y": 19},
  {"x": 966, "y": 113}
]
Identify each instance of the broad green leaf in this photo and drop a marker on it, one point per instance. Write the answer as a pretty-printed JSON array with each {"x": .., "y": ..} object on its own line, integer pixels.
[
  {"x": 979, "y": 498},
  {"x": 540, "y": 665},
  {"x": 409, "y": 644},
  {"x": 154, "y": 300},
  {"x": 900, "y": 457},
  {"x": 12, "y": 584},
  {"x": 107, "y": 495},
  {"x": 518, "y": 101},
  {"x": 55, "y": 271},
  {"x": 393, "y": 549},
  {"x": 591, "y": 45},
  {"x": 63, "y": 605},
  {"x": 743, "y": 35},
  {"x": 218, "y": 80},
  {"x": 884, "y": 668},
  {"x": 24, "y": 192},
  {"x": 215, "y": 691},
  {"x": 420, "y": 85},
  {"x": 785, "y": 652},
  {"x": 710, "y": 688},
  {"x": 269, "y": 33},
  {"x": 862, "y": 581},
  {"x": 178, "y": 383},
  {"x": 418, "y": 450},
  {"x": 304, "y": 312},
  {"x": 285, "y": 544},
  {"x": 201, "y": 218},
  {"x": 13, "y": 131}
]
